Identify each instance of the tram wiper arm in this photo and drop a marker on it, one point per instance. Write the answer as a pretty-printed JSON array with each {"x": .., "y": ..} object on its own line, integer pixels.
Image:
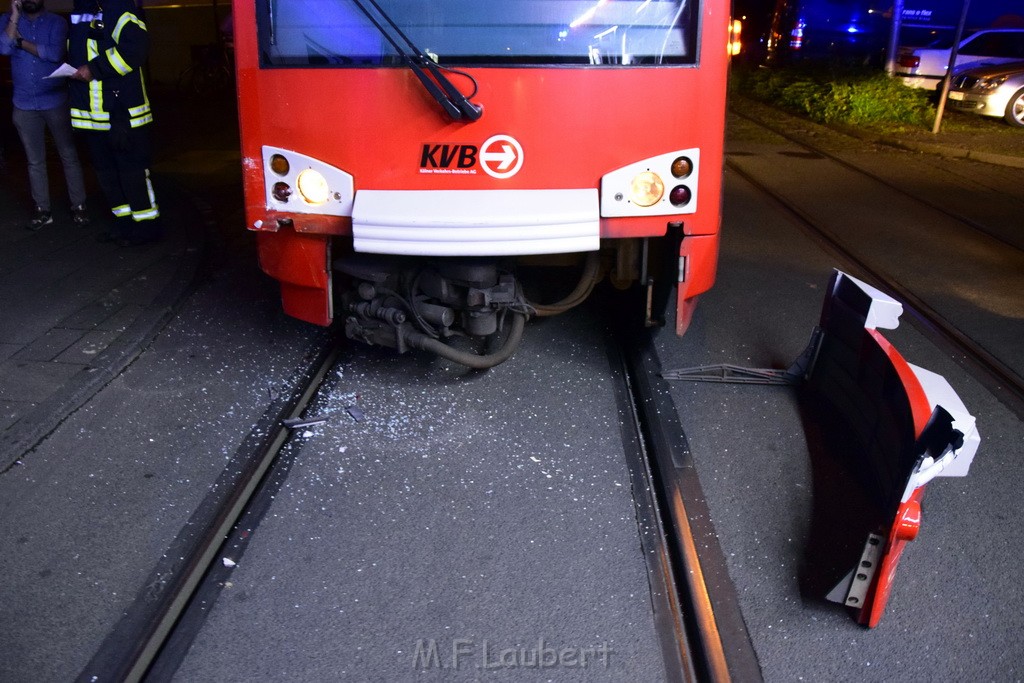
[{"x": 455, "y": 104}]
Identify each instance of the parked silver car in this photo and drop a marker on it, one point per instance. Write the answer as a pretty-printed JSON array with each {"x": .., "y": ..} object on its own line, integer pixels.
[
  {"x": 926, "y": 67},
  {"x": 991, "y": 91}
]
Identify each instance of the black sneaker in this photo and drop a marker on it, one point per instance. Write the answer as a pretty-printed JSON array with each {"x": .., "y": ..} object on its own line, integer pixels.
[
  {"x": 39, "y": 219},
  {"x": 79, "y": 216}
]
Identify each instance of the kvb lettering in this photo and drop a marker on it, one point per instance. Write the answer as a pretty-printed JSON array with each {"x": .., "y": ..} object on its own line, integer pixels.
[{"x": 444, "y": 156}]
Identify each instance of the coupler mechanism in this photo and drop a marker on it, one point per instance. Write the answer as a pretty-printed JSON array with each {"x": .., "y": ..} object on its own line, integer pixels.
[{"x": 411, "y": 304}]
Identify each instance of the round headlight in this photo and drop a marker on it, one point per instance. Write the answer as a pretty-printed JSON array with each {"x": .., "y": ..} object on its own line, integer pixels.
[
  {"x": 313, "y": 187},
  {"x": 647, "y": 189}
]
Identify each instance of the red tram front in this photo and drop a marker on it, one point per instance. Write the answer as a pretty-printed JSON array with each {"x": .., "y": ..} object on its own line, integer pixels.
[{"x": 403, "y": 159}]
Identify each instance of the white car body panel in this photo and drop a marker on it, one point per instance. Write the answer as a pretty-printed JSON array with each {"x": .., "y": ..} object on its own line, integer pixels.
[{"x": 934, "y": 62}]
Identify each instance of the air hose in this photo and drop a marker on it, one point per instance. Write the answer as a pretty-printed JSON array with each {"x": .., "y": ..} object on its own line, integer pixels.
[
  {"x": 421, "y": 341},
  {"x": 588, "y": 279}
]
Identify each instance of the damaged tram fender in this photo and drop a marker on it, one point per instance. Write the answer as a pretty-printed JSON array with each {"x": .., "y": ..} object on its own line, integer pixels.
[
  {"x": 908, "y": 424},
  {"x": 900, "y": 425}
]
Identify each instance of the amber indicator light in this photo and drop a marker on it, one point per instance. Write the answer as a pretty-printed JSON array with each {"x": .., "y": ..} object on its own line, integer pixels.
[
  {"x": 279, "y": 165},
  {"x": 682, "y": 167}
]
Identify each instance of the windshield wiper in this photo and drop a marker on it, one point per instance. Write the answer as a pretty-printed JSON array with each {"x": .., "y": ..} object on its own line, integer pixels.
[{"x": 454, "y": 103}]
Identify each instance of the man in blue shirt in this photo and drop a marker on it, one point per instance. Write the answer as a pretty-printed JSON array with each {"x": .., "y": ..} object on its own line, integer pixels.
[{"x": 36, "y": 40}]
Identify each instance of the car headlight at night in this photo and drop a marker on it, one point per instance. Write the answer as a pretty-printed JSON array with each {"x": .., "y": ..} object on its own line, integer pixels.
[{"x": 990, "y": 84}]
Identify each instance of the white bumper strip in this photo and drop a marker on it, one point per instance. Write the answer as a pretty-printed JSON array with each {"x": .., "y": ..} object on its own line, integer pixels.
[{"x": 475, "y": 222}]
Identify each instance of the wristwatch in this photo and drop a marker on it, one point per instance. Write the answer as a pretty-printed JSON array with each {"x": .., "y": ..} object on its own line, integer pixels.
[{"x": 18, "y": 41}]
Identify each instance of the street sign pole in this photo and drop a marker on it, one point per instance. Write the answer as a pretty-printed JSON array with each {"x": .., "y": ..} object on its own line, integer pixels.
[{"x": 947, "y": 81}]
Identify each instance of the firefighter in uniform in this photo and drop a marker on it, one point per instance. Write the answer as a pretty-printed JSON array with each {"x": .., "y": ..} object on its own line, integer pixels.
[{"x": 108, "y": 44}]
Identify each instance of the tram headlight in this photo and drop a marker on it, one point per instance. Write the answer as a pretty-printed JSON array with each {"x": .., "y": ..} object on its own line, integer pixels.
[
  {"x": 313, "y": 187},
  {"x": 646, "y": 189},
  {"x": 297, "y": 183},
  {"x": 662, "y": 185}
]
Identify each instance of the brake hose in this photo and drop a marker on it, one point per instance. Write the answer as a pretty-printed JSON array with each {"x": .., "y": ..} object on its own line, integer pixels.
[
  {"x": 588, "y": 279},
  {"x": 477, "y": 362}
]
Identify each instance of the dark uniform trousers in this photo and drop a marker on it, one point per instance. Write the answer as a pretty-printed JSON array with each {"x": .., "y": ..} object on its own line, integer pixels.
[{"x": 121, "y": 159}]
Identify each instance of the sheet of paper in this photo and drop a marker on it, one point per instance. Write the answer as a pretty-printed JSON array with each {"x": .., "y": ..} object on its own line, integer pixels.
[{"x": 63, "y": 71}]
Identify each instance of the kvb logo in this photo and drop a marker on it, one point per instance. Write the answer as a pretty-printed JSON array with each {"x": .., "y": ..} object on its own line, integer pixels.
[{"x": 501, "y": 156}]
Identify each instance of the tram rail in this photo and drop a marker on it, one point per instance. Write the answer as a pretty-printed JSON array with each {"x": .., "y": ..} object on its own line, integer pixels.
[
  {"x": 133, "y": 645},
  {"x": 1001, "y": 380},
  {"x": 707, "y": 621},
  {"x": 924, "y": 201},
  {"x": 697, "y": 620}
]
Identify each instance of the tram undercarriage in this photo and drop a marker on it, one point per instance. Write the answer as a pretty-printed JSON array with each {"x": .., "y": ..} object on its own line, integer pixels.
[{"x": 417, "y": 303}]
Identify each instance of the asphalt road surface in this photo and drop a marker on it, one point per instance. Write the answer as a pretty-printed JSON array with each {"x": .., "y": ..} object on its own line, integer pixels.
[{"x": 91, "y": 510}]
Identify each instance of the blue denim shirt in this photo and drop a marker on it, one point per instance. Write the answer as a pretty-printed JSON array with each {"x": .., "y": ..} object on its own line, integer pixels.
[{"x": 32, "y": 90}]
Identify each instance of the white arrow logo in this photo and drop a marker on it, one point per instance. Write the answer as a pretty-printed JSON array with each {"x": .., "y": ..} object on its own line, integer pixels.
[
  {"x": 506, "y": 156},
  {"x": 501, "y": 156}
]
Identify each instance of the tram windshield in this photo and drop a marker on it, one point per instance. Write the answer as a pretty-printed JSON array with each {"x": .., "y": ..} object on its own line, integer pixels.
[{"x": 354, "y": 33}]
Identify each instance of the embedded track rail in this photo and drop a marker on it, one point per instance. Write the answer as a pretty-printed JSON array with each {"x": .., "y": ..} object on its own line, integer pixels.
[
  {"x": 996, "y": 376},
  {"x": 924, "y": 201},
  {"x": 703, "y": 635},
  {"x": 695, "y": 610},
  {"x": 132, "y": 650}
]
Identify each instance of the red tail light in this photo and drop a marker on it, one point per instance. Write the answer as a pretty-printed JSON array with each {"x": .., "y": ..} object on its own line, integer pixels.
[{"x": 909, "y": 61}]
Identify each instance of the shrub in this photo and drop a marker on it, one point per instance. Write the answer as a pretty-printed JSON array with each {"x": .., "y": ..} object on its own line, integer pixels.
[{"x": 836, "y": 94}]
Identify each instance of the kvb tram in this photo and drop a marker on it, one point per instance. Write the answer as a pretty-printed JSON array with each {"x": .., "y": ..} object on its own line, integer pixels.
[{"x": 405, "y": 162}]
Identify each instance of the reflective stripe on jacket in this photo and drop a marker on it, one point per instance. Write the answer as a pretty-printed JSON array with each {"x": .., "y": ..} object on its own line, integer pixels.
[{"x": 114, "y": 43}]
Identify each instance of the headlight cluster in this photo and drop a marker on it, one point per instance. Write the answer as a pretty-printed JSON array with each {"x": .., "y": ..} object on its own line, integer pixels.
[
  {"x": 662, "y": 185},
  {"x": 647, "y": 188},
  {"x": 297, "y": 183},
  {"x": 312, "y": 185}
]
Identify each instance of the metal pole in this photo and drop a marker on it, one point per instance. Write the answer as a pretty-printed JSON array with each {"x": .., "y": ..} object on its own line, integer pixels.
[
  {"x": 894, "y": 37},
  {"x": 947, "y": 81}
]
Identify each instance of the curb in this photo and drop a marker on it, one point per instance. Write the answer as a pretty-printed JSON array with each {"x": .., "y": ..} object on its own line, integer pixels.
[
  {"x": 936, "y": 148},
  {"x": 955, "y": 152}
]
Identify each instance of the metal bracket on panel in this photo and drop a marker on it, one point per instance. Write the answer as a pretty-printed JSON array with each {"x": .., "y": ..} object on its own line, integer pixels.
[
  {"x": 649, "y": 319},
  {"x": 852, "y": 591},
  {"x": 735, "y": 374}
]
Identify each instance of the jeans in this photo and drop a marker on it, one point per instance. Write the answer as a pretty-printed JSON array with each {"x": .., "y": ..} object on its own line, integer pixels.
[{"x": 32, "y": 127}]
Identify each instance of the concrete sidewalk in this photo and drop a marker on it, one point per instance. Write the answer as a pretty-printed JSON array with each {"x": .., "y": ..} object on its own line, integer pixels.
[{"x": 73, "y": 312}]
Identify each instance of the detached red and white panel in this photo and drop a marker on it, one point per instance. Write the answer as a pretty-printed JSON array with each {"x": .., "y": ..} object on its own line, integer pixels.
[{"x": 907, "y": 424}]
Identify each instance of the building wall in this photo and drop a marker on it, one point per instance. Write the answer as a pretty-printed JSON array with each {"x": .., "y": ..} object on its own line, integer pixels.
[{"x": 174, "y": 32}]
